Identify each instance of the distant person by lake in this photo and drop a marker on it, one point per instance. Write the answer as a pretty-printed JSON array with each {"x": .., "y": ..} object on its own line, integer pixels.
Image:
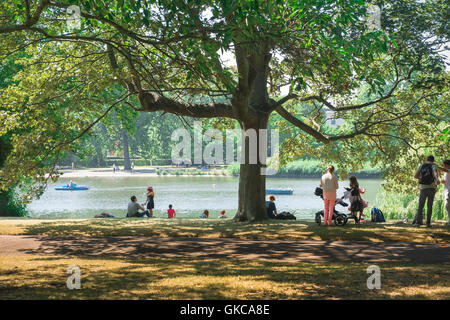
[
  {"x": 222, "y": 214},
  {"x": 428, "y": 177},
  {"x": 357, "y": 204},
  {"x": 446, "y": 183},
  {"x": 134, "y": 207},
  {"x": 150, "y": 200},
  {"x": 171, "y": 212},
  {"x": 270, "y": 207},
  {"x": 204, "y": 215},
  {"x": 329, "y": 185}
]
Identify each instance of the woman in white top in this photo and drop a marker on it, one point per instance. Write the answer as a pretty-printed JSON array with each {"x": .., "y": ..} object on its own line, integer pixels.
[
  {"x": 329, "y": 184},
  {"x": 446, "y": 182}
]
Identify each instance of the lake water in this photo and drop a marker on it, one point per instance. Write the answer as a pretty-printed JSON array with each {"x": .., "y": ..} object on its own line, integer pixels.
[{"x": 189, "y": 196}]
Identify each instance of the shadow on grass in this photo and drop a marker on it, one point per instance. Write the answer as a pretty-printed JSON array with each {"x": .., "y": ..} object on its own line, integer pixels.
[
  {"x": 154, "y": 278},
  {"x": 241, "y": 249},
  {"x": 282, "y": 230}
]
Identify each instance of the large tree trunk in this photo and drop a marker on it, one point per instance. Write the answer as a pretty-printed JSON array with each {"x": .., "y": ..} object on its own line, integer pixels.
[
  {"x": 126, "y": 151},
  {"x": 252, "y": 184}
]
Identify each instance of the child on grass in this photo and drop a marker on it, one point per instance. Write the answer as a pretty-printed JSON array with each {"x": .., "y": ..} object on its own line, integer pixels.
[
  {"x": 204, "y": 215},
  {"x": 222, "y": 214},
  {"x": 171, "y": 212}
]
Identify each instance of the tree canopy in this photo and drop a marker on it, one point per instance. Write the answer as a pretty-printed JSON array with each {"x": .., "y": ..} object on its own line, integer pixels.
[{"x": 389, "y": 85}]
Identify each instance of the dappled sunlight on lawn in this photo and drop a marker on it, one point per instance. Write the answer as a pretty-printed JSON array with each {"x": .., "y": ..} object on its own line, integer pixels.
[
  {"x": 214, "y": 228},
  {"x": 124, "y": 278}
]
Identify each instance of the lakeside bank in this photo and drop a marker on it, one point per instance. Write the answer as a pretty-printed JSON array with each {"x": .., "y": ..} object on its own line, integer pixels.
[{"x": 190, "y": 171}]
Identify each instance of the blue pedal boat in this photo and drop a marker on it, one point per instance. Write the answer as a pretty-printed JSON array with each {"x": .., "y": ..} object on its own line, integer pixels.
[
  {"x": 73, "y": 187},
  {"x": 279, "y": 191}
]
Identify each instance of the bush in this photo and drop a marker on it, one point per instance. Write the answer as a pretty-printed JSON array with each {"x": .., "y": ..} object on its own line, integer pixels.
[
  {"x": 9, "y": 207},
  {"x": 396, "y": 205},
  {"x": 234, "y": 168},
  {"x": 305, "y": 167}
]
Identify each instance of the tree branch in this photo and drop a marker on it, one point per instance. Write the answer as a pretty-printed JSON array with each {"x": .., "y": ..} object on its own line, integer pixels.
[
  {"x": 151, "y": 101},
  {"x": 319, "y": 98},
  {"x": 326, "y": 138},
  {"x": 29, "y": 20}
]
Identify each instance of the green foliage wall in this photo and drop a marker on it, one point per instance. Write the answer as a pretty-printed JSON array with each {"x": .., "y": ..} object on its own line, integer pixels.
[{"x": 397, "y": 205}]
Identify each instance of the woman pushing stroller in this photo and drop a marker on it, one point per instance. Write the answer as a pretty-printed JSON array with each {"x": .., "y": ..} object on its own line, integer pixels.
[{"x": 329, "y": 184}]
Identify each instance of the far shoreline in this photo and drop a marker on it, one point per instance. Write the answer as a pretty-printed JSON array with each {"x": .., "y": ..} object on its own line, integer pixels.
[{"x": 152, "y": 172}]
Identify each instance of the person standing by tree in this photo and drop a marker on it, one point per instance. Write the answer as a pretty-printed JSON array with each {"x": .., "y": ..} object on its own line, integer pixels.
[
  {"x": 329, "y": 184},
  {"x": 427, "y": 173},
  {"x": 446, "y": 183}
]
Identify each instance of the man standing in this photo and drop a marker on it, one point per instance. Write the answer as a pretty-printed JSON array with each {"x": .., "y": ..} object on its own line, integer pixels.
[
  {"x": 446, "y": 182},
  {"x": 133, "y": 209},
  {"x": 428, "y": 180}
]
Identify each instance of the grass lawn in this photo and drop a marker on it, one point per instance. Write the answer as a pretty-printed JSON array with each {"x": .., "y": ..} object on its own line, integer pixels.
[
  {"x": 45, "y": 277},
  {"x": 215, "y": 228},
  {"x": 127, "y": 277}
]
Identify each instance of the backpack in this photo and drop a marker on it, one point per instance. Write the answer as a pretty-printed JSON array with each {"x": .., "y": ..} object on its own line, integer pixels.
[
  {"x": 426, "y": 174},
  {"x": 377, "y": 215},
  {"x": 285, "y": 216}
]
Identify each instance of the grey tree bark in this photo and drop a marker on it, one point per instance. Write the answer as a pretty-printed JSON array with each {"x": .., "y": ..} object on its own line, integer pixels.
[{"x": 126, "y": 151}]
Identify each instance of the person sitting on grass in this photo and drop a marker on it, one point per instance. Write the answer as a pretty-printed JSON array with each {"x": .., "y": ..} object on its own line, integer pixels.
[
  {"x": 104, "y": 215},
  {"x": 134, "y": 207},
  {"x": 270, "y": 207},
  {"x": 204, "y": 215},
  {"x": 222, "y": 214},
  {"x": 170, "y": 212}
]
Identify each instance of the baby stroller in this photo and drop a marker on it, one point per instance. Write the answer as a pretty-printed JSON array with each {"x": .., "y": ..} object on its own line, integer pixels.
[{"x": 340, "y": 218}]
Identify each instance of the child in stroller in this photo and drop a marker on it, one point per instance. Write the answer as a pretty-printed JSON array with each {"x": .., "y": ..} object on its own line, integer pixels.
[{"x": 340, "y": 218}]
